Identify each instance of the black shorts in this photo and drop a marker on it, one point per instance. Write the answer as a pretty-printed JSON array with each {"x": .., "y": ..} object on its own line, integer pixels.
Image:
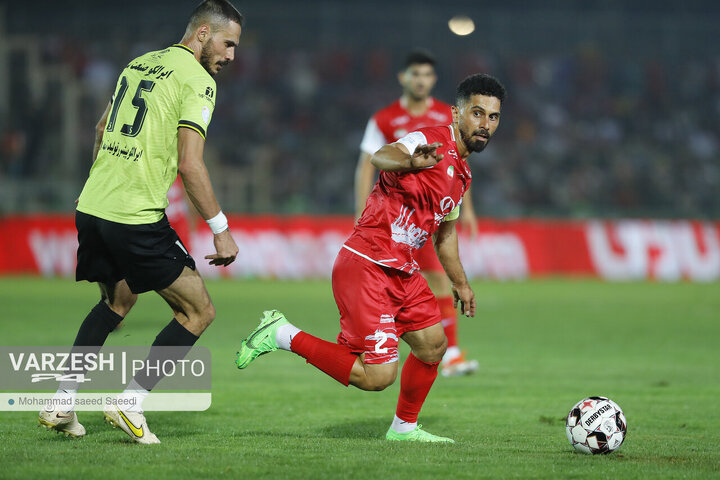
[{"x": 148, "y": 257}]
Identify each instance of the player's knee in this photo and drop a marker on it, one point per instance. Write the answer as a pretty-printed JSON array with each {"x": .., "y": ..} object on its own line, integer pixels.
[
  {"x": 433, "y": 351},
  {"x": 380, "y": 380},
  {"x": 122, "y": 304},
  {"x": 210, "y": 313},
  {"x": 375, "y": 377},
  {"x": 377, "y": 385},
  {"x": 196, "y": 317},
  {"x": 204, "y": 315},
  {"x": 439, "y": 349}
]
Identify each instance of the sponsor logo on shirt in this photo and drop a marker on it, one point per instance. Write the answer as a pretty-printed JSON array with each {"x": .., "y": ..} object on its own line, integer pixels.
[
  {"x": 399, "y": 120},
  {"x": 406, "y": 232},
  {"x": 447, "y": 205},
  {"x": 208, "y": 96}
]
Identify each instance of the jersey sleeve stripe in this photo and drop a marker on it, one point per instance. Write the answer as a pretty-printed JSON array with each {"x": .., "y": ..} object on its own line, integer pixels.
[{"x": 193, "y": 125}]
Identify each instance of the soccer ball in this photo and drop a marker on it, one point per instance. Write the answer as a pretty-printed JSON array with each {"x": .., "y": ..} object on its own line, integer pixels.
[{"x": 596, "y": 425}]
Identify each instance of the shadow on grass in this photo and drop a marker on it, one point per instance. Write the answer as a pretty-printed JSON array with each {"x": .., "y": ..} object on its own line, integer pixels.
[
  {"x": 169, "y": 427},
  {"x": 371, "y": 428}
]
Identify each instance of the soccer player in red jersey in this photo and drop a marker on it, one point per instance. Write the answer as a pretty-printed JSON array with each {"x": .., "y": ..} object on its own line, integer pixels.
[
  {"x": 378, "y": 291},
  {"x": 413, "y": 110}
]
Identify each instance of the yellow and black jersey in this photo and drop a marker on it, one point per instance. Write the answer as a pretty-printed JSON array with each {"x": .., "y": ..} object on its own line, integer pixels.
[{"x": 155, "y": 95}]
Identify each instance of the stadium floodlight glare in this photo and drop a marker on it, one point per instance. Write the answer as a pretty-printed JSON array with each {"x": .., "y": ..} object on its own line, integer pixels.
[{"x": 461, "y": 25}]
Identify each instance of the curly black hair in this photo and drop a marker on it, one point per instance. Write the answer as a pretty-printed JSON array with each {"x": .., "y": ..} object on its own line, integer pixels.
[{"x": 480, "y": 84}]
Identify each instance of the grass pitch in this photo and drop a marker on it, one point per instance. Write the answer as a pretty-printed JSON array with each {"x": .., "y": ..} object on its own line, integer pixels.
[{"x": 542, "y": 346}]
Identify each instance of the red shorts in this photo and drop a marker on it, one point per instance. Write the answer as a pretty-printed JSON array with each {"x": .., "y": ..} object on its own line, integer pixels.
[
  {"x": 379, "y": 304},
  {"x": 427, "y": 258}
]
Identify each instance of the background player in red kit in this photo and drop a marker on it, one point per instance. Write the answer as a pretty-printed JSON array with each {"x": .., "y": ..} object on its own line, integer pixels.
[
  {"x": 381, "y": 298},
  {"x": 416, "y": 109}
]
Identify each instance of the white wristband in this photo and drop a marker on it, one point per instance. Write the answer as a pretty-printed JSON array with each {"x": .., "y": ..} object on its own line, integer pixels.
[{"x": 218, "y": 223}]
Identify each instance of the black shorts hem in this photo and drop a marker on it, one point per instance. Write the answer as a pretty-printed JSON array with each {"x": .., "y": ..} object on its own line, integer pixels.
[
  {"x": 148, "y": 256},
  {"x": 160, "y": 283}
]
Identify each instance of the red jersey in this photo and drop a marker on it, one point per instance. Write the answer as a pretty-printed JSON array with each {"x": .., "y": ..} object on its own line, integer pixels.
[
  {"x": 394, "y": 122},
  {"x": 405, "y": 209}
]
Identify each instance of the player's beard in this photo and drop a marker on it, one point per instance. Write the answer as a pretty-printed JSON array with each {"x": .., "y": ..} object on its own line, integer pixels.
[
  {"x": 475, "y": 145},
  {"x": 418, "y": 96},
  {"x": 206, "y": 59}
]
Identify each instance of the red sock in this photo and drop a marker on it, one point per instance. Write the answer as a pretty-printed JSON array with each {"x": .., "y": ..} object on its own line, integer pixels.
[
  {"x": 449, "y": 319},
  {"x": 415, "y": 381},
  {"x": 333, "y": 359}
]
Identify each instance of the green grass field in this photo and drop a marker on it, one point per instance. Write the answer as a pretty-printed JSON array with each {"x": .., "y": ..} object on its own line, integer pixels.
[{"x": 542, "y": 346}]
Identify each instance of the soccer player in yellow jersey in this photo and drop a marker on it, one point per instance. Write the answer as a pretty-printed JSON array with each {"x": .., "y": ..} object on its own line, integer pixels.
[{"x": 153, "y": 128}]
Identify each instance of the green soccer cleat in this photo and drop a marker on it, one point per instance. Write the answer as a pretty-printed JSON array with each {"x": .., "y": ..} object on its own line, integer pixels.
[
  {"x": 417, "y": 435},
  {"x": 262, "y": 339}
]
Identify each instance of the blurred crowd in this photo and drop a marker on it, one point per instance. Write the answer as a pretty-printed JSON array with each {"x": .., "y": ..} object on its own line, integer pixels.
[{"x": 583, "y": 133}]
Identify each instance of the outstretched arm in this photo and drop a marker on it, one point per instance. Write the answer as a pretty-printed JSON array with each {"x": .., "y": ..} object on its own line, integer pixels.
[
  {"x": 446, "y": 246},
  {"x": 199, "y": 189},
  {"x": 395, "y": 157}
]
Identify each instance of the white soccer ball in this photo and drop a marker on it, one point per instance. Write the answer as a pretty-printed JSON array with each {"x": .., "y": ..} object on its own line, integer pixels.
[{"x": 596, "y": 425}]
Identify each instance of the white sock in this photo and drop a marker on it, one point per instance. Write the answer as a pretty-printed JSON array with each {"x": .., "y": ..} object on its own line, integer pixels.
[
  {"x": 64, "y": 399},
  {"x": 401, "y": 426},
  {"x": 134, "y": 394},
  {"x": 285, "y": 334},
  {"x": 452, "y": 352}
]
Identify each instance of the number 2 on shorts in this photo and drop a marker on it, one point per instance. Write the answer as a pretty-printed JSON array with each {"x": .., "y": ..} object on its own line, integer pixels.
[{"x": 381, "y": 339}]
